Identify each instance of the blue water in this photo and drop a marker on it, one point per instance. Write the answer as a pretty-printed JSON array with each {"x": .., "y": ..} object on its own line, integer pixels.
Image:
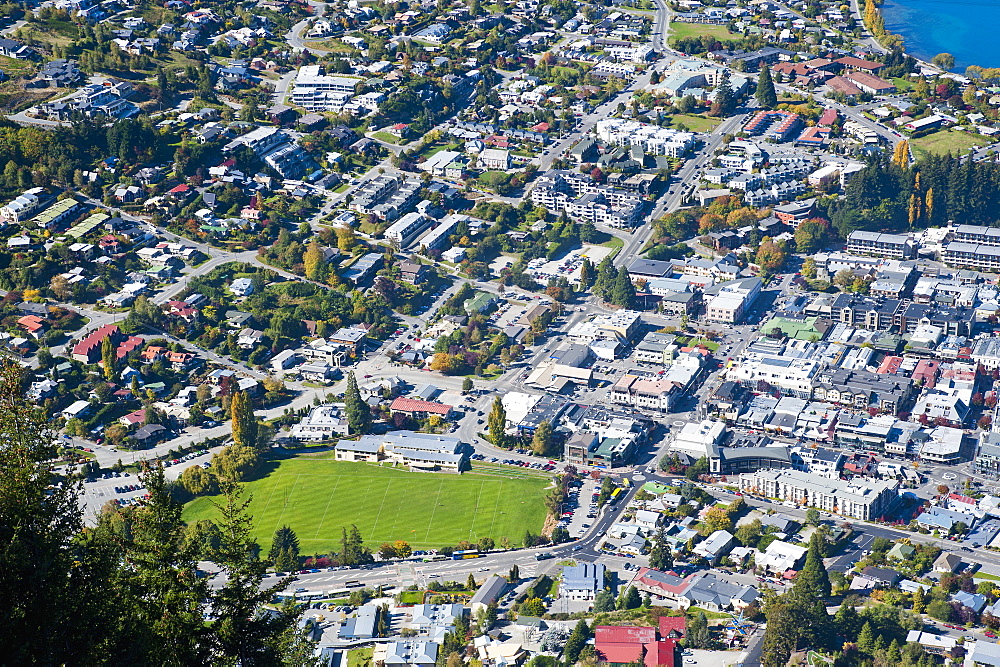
[{"x": 967, "y": 29}]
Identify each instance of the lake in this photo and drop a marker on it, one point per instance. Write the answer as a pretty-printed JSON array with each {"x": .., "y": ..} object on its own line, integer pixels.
[{"x": 965, "y": 29}]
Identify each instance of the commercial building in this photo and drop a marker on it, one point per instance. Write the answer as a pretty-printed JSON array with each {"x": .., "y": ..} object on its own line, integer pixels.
[
  {"x": 861, "y": 499},
  {"x": 729, "y": 302},
  {"x": 766, "y": 372},
  {"x": 978, "y": 256},
  {"x": 622, "y": 325},
  {"x": 582, "y": 582},
  {"x": 977, "y": 234}
]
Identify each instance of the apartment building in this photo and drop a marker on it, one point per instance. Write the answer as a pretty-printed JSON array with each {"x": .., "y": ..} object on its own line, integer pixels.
[
  {"x": 876, "y": 314},
  {"x": 584, "y": 200},
  {"x": 25, "y": 205},
  {"x": 894, "y": 246},
  {"x": 979, "y": 256},
  {"x": 977, "y": 234},
  {"x": 653, "y": 139},
  {"x": 860, "y": 499},
  {"x": 778, "y": 125},
  {"x": 405, "y": 230},
  {"x": 765, "y": 372}
]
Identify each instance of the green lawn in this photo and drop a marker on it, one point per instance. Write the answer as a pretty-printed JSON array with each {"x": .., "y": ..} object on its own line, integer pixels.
[
  {"x": 803, "y": 330},
  {"x": 387, "y": 138},
  {"x": 903, "y": 84},
  {"x": 319, "y": 497},
  {"x": 695, "y": 122},
  {"x": 679, "y": 30},
  {"x": 360, "y": 657},
  {"x": 944, "y": 141}
]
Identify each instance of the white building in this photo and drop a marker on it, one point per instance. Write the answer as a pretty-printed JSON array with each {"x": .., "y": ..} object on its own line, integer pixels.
[
  {"x": 861, "y": 499},
  {"x": 323, "y": 423},
  {"x": 733, "y": 300},
  {"x": 654, "y": 140}
]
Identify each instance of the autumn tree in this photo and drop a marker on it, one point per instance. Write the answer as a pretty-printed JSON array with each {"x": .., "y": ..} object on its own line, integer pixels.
[
  {"x": 245, "y": 431},
  {"x": 770, "y": 256}
]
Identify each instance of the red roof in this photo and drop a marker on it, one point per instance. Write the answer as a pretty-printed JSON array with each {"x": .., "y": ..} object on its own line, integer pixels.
[
  {"x": 136, "y": 417},
  {"x": 541, "y": 127},
  {"x": 180, "y": 189},
  {"x": 403, "y": 404},
  {"x": 661, "y": 654},
  {"x": 131, "y": 343},
  {"x": 32, "y": 323},
  {"x": 962, "y": 499},
  {"x": 89, "y": 343},
  {"x": 623, "y": 634},
  {"x": 620, "y": 653},
  {"x": 829, "y": 117},
  {"x": 672, "y": 624},
  {"x": 858, "y": 63}
]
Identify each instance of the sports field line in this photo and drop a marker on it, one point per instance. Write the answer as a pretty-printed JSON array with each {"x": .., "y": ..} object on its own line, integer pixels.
[
  {"x": 475, "y": 512},
  {"x": 380, "y": 507},
  {"x": 267, "y": 503},
  {"x": 327, "y": 509},
  {"x": 431, "y": 521},
  {"x": 496, "y": 508},
  {"x": 284, "y": 505}
]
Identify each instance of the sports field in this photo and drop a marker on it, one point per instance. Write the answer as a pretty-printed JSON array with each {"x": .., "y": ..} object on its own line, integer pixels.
[{"x": 318, "y": 497}]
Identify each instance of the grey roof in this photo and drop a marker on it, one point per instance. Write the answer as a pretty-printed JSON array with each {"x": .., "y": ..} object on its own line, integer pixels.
[{"x": 490, "y": 591}]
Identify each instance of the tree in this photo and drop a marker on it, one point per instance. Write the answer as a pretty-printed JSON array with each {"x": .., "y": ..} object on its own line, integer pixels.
[
  {"x": 659, "y": 553},
  {"x": 108, "y": 359},
  {"x": 532, "y": 607},
  {"x": 725, "y": 100},
  {"x": 810, "y": 235},
  {"x": 622, "y": 290},
  {"x": 357, "y": 410},
  {"x": 496, "y": 424},
  {"x": 769, "y": 256},
  {"x": 812, "y": 516},
  {"x": 749, "y": 533},
  {"x": 697, "y": 633},
  {"x": 244, "y": 420},
  {"x": 717, "y": 518},
  {"x": 866, "y": 640},
  {"x": 765, "y": 94},
  {"x": 630, "y": 599},
  {"x": 543, "y": 441},
  {"x": 604, "y": 601},
  {"x": 241, "y": 634},
  {"x": 813, "y": 582},
  {"x": 467, "y": 385},
  {"x": 514, "y": 576},
  {"x": 940, "y": 610},
  {"x": 284, "y": 552},
  {"x": 945, "y": 61},
  {"x": 314, "y": 261},
  {"x": 577, "y": 640},
  {"x": 470, "y": 584}
]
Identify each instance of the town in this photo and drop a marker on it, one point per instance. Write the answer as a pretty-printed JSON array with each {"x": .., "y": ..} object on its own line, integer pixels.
[{"x": 525, "y": 333}]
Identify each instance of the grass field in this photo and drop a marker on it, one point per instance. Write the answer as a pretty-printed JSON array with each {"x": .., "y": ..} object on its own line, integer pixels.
[
  {"x": 944, "y": 141},
  {"x": 695, "y": 122},
  {"x": 318, "y": 497},
  {"x": 679, "y": 30}
]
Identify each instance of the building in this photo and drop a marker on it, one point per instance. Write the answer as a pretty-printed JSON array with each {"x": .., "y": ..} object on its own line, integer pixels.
[
  {"x": 582, "y": 582},
  {"x": 489, "y": 593},
  {"x": 731, "y": 301},
  {"x": 653, "y": 140},
  {"x": 417, "y": 450},
  {"x": 715, "y": 546},
  {"x": 862, "y": 499},
  {"x": 494, "y": 158},
  {"x": 25, "y": 206},
  {"x": 406, "y": 230},
  {"x": 777, "y": 125},
  {"x": 977, "y": 256},
  {"x": 987, "y": 461},
  {"x": 417, "y": 409},
  {"x": 88, "y": 350},
  {"x": 323, "y": 423},
  {"x": 894, "y": 246}
]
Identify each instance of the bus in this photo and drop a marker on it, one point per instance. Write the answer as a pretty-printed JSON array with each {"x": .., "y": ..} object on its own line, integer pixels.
[
  {"x": 614, "y": 496},
  {"x": 468, "y": 553},
  {"x": 434, "y": 558},
  {"x": 626, "y": 482}
]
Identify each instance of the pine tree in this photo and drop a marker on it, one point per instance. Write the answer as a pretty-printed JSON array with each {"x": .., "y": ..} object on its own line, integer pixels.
[
  {"x": 241, "y": 634},
  {"x": 766, "y": 96},
  {"x": 284, "y": 553},
  {"x": 577, "y": 640},
  {"x": 725, "y": 100},
  {"x": 866, "y": 640},
  {"x": 623, "y": 291},
  {"x": 606, "y": 275},
  {"x": 918, "y": 601},
  {"x": 697, "y": 632},
  {"x": 244, "y": 420},
  {"x": 514, "y": 575},
  {"x": 496, "y": 424},
  {"x": 813, "y": 581},
  {"x": 356, "y": 409},
  {"x": 108, "y": 358}
]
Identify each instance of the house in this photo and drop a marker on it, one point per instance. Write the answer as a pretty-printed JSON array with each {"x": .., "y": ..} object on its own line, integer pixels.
[
  {"x": 715, "y": 546},
  {"x": 881, "y": 576},
  {"x": 149, "y": 434},
  {"x": 133, "y": 418},
  {"x": 241, "y": 287},
  {"x": 622, "y": 644},
  {"x": 412, "y": 272},
  {"x": 947, "y": 563},
  {"x": 901, "y": 551},
  {"x": 34, "y": 325},
  {"x": 322, "y": 423},
  {"x": 88, "y": 350},
  {"x": 494, "y": 158}
]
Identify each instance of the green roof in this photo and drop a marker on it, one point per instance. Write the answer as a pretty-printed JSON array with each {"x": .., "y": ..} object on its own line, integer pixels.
[
  {"x": 56, "y": 210},
  {"x": 480, "y": 303},
  {"x": 88, "y": 225},
  {"x": 655, "y": 488}
]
